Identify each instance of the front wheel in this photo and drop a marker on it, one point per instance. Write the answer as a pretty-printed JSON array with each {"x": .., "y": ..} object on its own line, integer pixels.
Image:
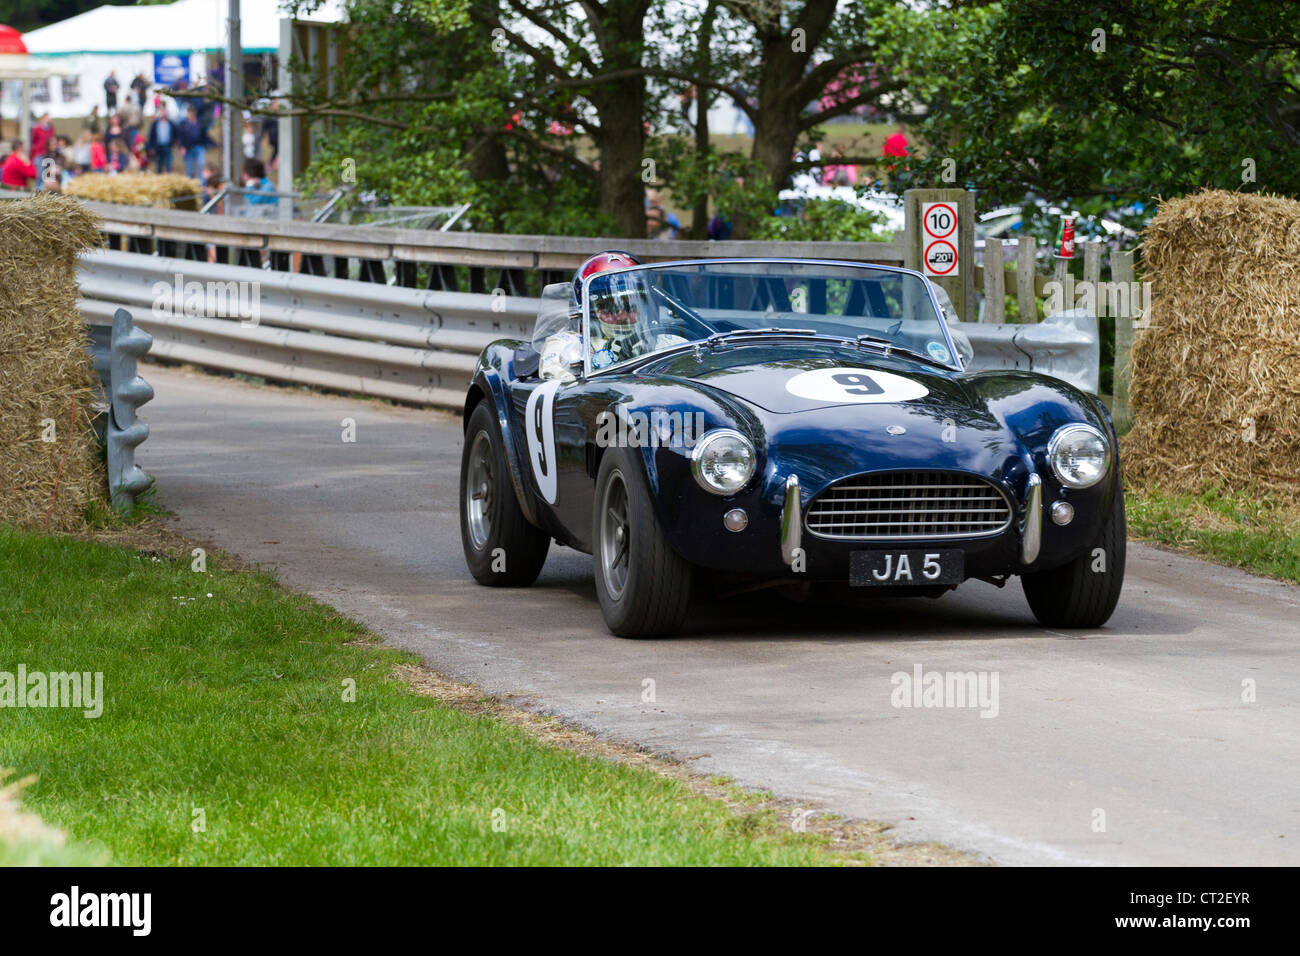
[
  {"x": 501, "y": 548},
  {"x": 1084, "y": 592},
  {"x": 643, "y": 585}
]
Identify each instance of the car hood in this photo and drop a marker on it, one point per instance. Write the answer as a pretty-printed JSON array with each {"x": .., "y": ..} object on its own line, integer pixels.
[
  {"x": 765, "y": 376},
  {"x": 923, "y": 418}
]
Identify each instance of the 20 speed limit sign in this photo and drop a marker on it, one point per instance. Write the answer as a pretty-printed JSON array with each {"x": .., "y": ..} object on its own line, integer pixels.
[{"x": 939, "y": 238}]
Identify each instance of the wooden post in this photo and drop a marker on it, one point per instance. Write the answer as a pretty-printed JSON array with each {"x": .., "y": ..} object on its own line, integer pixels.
[
  {"x": 995, "y": 290},
  {"x": 1026, "y": 265},
  {"x": 1121, "y": 270},
  {"x": 960, "y": 287},
  {"x": 1092, "y": 267}
]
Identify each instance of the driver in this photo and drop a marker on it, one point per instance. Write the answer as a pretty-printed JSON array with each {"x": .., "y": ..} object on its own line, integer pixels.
[
  {"x": 624, "y": 310},
  {"x": 625, "y": 313}
]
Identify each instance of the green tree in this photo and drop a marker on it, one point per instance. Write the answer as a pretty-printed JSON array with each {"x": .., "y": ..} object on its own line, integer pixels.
[{"x": 1127, "y": 99}]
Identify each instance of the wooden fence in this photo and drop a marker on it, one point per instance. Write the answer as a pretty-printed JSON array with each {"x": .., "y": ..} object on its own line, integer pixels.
[{"x": 1021, "y": 280}]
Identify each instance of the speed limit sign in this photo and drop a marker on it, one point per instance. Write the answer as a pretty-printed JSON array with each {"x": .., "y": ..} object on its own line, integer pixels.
[{"x": 939, "y": 239}]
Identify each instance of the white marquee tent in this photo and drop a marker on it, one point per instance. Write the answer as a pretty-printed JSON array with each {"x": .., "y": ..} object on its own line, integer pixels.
[{"x": 82, "y": 50}]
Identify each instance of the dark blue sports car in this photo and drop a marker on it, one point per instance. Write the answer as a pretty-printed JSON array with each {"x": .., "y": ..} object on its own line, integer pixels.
[{"x": 790, "y": 423}]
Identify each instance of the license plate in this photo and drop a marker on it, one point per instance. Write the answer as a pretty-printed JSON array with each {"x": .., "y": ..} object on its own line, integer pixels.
[{"x": 884, "y": 568}]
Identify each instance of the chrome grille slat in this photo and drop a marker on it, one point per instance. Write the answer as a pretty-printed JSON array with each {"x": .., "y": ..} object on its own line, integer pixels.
[{"x": 914, "y": 504}]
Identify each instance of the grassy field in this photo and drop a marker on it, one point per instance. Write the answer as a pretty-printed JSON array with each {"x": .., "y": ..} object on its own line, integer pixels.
[
  {"x": 1256, "y": 534},
  {"x": 226, "y": 738}
]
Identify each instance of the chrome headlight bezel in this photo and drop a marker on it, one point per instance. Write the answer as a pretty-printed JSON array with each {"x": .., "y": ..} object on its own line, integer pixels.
[
  {"x": 702, "y": 447},
  {"x": 1054, "y": 447}
]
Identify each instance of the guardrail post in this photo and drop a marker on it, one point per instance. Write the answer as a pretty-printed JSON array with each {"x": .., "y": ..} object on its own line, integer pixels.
[{"x": 127, "y": 392}]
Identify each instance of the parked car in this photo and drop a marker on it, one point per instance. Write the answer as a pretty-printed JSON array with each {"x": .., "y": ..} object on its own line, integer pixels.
[
  {"x": 794, "y": 423},
  {"x": 805, "y": 189}
]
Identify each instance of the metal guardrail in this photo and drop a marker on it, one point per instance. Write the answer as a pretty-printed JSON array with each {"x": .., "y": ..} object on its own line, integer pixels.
[
  {"x": 1066, "y": 346},
  {"x": 410, "y": 345}
]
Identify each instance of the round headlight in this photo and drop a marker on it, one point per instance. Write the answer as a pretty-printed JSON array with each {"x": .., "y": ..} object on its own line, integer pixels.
[
  {"x": 723, "y": 461},
  {"x": 1079, "y": 455}
]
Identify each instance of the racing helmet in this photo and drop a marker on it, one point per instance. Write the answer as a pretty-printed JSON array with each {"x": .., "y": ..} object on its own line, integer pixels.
[
  {"x": 602, "y": 261},
  {"x": 621, "y": 303}
]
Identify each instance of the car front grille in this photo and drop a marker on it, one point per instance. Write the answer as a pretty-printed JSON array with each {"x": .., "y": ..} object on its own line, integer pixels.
[{"x": 909, "y": 504}]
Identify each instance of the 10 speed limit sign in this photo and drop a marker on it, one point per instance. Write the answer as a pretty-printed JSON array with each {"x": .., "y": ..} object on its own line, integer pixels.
[{"x": 939, "y": 238}]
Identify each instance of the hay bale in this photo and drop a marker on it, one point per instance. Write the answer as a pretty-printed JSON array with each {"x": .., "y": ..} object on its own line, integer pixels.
[
  {"x": 136, "y": 189},
  {"x": 1216, "y": 380},
  {"x": 46, "y": 374}
]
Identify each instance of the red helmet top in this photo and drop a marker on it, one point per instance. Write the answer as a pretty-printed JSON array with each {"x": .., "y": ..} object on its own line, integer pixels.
[{"x": 601, "y": 262}]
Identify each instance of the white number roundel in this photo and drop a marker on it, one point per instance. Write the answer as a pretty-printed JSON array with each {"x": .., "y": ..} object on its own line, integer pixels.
[
  {"x": 865, "y": 386},
  {"x": 539, "y": 425}
]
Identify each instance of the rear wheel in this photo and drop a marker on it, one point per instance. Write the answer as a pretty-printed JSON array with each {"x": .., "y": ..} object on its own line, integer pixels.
[
  {"x": 643, "y": 585},
  {"x": 1084, "y": 592},
  {"x": 501, "y": 548}
]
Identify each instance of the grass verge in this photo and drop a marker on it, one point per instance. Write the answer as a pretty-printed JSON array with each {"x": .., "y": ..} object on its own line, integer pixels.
[
  {"x": 1258, "y": 534},
  {"x": 228, "y": 737}
]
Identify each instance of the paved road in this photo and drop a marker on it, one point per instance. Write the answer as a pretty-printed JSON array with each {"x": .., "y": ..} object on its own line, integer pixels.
[{"x": 1142, "y": 721}]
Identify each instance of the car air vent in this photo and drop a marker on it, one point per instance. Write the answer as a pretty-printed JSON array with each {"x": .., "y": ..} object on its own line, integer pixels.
[{"x": 909, "y": 504}]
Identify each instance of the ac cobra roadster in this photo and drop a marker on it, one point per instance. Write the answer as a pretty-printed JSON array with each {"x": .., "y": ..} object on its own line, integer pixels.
[{"x": 792, "y": 423}]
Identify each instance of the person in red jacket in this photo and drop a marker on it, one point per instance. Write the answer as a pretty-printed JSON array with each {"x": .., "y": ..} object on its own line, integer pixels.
[
  {"x": 17, "y": 171},
  {"x": 42, "y": 133}
]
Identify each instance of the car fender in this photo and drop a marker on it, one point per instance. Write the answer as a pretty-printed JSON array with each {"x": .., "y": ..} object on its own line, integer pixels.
[
  {"x": 668, "y": 464},
  {"x": 491, "y": 380},
  {"x": 1033, "y": 407}
]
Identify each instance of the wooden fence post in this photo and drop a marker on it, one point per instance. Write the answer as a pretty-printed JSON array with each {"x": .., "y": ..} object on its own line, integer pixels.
[
  {"x": 995, "y": 305},
  {"x": 1026, "y": 265},
  {"x": 1092, "y": 267},
  {"x": 1121, "y": 270}
]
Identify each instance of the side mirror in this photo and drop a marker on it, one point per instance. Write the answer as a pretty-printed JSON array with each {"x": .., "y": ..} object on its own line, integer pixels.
[{"x": 526, "y": 361}]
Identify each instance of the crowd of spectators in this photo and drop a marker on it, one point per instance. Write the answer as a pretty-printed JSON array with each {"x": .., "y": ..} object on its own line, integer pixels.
[{"x": 175, "y": 134}]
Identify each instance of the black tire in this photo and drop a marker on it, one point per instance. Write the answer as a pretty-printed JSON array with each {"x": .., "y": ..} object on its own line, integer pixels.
[
  {"x": 656, "y": 583},
  {"x": 501, "y": 548},
  {"x": 1074, "y": 595}
]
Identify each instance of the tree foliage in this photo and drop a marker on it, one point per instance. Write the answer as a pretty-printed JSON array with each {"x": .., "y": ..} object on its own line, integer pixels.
[
  {"x": 556, "y": 115},
  {"x": 1129, "y": 99}
]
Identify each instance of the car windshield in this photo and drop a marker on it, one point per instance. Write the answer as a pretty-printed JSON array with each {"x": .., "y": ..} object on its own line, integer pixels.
[{"x": 632, "y": 313}]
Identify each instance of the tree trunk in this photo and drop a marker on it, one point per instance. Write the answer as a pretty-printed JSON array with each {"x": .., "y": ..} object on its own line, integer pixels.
[
  {"x": 776, "y": 129},
  {"x": 703, "y": 67},
  {"x": 622, "y": 150},
  {"x": 621, "y": 106},
  {"x": 486, "y": 161}
]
